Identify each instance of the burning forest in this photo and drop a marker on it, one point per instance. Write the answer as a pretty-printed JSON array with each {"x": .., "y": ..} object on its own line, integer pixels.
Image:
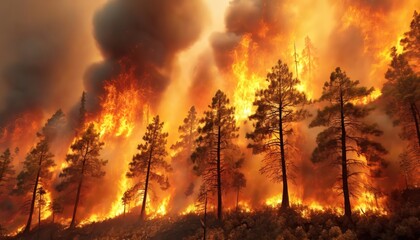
[{"x": 210, "y": 119}]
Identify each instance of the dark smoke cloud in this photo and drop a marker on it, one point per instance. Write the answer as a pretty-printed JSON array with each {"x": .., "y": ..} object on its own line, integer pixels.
[
  {"x": 223, "y": 44},
  {"x": 247, "y": 17},
  {"x": 44, "y": 49},
  {"x": 203, "y": 82},
  {"x": 243, "y": 16},
  {"x": 146, "y": 35}
]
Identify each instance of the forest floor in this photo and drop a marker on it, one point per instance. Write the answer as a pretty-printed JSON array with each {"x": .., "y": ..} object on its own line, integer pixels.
[{"x": 299, "y": 222}]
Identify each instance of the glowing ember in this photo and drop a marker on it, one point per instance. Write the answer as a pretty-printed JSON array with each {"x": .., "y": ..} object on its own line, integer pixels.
[
  {"x": 192, "y": 208},
  {"x": 244, "y": 206},
  {"x": 274, "y": 201},
  {"x": 160, "y": 210}
]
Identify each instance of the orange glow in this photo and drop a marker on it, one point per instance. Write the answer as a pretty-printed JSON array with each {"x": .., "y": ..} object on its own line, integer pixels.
[
  {"x": 368, "y": 99},
  {"x": 192, "y": 208},
  {"x": 247, "y": 82},
  {"x": 120, "y": 105}
]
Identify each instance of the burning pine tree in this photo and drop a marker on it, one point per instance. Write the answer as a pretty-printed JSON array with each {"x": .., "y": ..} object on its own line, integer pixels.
[
  {"x": 346, "y": 132},
  {"x": 83, "y": 163},
  {"x": 150, "y": 165},
  {"x": 278, "y": 106}
]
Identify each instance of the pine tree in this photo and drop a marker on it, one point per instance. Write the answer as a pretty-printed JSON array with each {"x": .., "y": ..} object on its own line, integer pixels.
[
  {"x": 278, "y": 106},
  {"x": 203, "y": 199},
  {"x": 402, "y": 95},
  {"x": 82, "y": 114},
  {"x": 38, "y": 163},
  {"x": 41, "y": 203},
  {"x": 402, "y": 91},
  {"x": 126, "y": 199},
  {"x": 411, "y": 42},
  {"x": 6, "y": 168},
  {"x": 187, "y": 134},
  {"x": 83, "y": 163},
  {"x": 56, "y": 208},
  {"x": 309, "y": 59},
  {"x": 183, "y": 148},
  {"x": 346, "y": 136},
  {"x": 215, "y": 136},
  {"x": 238, "y": 180},
  {"x": 150, "y": 165}
]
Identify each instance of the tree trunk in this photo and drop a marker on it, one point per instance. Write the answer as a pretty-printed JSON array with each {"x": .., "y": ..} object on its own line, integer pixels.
[
  {"x": 285, "y": 197},
  {"x": 79, "y": 188},
  {"x": 219, "y": 180},
  {"x": 143, "y": 206},
  {"x": 237, "y": 199},
  {"x": 39, "y": 211},
  {"x": 205, "y": 218},
  {"x": 3, "y": 170},
  {"x": 344, "y": 173},
  {"x": 413, "y": 108},
  {"x": 31, "y": 210}
]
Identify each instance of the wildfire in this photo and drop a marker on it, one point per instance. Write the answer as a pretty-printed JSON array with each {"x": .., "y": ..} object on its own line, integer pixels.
[
  {"x": 273, "y": 201},
  {"x": 117, "y": 206},
  {"x": 192, "y": 208},
  {"x": 15, "y": 232},
  {"x": 370, "y": 98},
  {"x": 120, "y": 105},
  {"x": 92, "y": 218},
  {"x": 160, "y": 210},
  {"x": 369, "y": 202},
  {"x": 244, "y": 207},
  {"x": 247, "y": 83}
]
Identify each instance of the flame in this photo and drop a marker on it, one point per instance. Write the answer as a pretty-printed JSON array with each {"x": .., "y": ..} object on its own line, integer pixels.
[
  {"x": 117, "y": 206},
  {"x": 273, "y": 201},
  {"x": 160, "y": 210},
  {"x": 375, "y": 94},
  {"x": 192, "y": 208},
  {"x": 247, "y": 83},
  {"x": 244, "y": 206},
  {"x": 15, "y": 232},
  {"x": 367, "y": 200},
  {"x": 120, "y": 105},
  {"x": 92, "y": 218}
]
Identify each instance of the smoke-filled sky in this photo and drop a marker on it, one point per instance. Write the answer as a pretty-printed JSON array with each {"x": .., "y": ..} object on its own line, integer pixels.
[
  {"x": 51, "y": 51},
  {"x": 182, "y": 52}
]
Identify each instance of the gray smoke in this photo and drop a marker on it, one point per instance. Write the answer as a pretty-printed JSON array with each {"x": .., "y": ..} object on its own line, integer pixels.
[{"x": 145, "y": 35}]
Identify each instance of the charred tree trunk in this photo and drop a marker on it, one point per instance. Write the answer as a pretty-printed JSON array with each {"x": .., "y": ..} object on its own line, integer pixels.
[
  {"x": 285, "y": 198},
  {"x": 143, "y": 206},
  {"x": 39, "y": 211},
  {"x": 205, "y": 219},
  {"x": 237, "y": 199},
  {"x": 31, "y": 210},
  {"x": 219, "y": 180},
  {"x": 79, "y": 188},
  {"x": 415, "y": 114},
  {"x": 344, "y": 172}
]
